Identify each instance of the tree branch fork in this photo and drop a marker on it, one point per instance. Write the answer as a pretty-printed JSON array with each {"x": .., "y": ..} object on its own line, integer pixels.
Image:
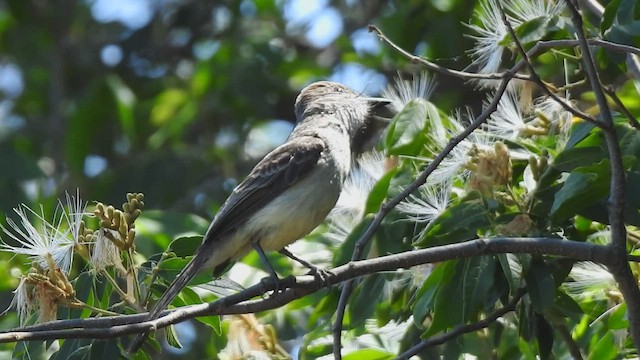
[{"x": 255, "y": 299}]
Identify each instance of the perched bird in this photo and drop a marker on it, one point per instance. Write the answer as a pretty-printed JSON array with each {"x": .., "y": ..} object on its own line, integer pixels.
[{"x": 290, "y": 191}]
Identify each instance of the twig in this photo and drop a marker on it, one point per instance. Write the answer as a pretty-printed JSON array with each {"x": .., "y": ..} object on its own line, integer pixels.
[
  {"x": 240, "y": 303},
  {"x": 463, "y": 329},
  {"x": 632, "y": 119},
  {"x": 441, "y": 69},
  {"x": 539, "y": 47}
]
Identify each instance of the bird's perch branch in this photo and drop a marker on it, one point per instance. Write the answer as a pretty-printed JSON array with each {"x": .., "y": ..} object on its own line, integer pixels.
[{"x": 297, "y": 287}]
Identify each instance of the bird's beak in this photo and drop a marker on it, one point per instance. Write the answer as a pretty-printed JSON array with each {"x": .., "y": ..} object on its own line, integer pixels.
[{"x": 377, "y": 102}]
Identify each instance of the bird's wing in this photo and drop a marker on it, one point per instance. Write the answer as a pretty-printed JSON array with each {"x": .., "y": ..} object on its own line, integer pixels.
[{"x": 279, "y": 170}]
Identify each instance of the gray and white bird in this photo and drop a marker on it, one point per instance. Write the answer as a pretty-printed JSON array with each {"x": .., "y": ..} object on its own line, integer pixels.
[{"x": 290, "y": 191}]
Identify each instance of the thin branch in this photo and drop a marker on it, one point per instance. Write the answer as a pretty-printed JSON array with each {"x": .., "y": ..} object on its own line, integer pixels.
[
  {"x": 632, "y": 119},
  {"x": 297, "y": 287},
  {"x": 538, "y": 48},
  {"x": 463, "y": 329},
  {"x": 441, "y": 69}
]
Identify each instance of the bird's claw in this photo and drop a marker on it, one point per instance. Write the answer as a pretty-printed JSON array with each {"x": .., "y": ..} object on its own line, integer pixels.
[{"x": 321, "y": 274}]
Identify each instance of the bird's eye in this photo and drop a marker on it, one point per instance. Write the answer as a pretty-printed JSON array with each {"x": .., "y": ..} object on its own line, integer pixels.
[{"x": 338, "y": 89}]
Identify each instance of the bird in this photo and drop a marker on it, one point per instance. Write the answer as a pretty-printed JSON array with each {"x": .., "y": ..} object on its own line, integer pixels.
[{"x": 290, "y": 191}]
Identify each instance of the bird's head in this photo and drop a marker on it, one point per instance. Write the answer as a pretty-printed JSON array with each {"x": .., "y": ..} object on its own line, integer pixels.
[{"x": 333, "y": 98}]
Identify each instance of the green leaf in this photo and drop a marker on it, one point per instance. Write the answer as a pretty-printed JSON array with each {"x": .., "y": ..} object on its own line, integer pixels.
[
  {"x": 583, "y": 187},
  {"x": 441, "y": 274},
  {"x": 344, "y": 253},
  {"x": 171, "y": 337},
  {"x": 540, "y": 285},
  {"x": 369, "y": 354},
  {"x": 459, "y": 300},
  {"x": 535, "y": 29},
  {"x": 544, "y": 334},
  {"x": 459, "y": 222},
  {"x": 212, "y": 322},
  {"x": 69, "y": 347},
  {"x": 32, "y": 350},
  {"x": 163, "y": 227},
  {"x": 448, "y": 306},
  {"x": 104, "y": 349},
  {"x": 578, "y": 133},
  {"x": 508, "y": 274},
  {"x": 185, "y": 246},
  {"x": 379, "y": 192},
  {"x": 365, "y": 299},
  {"x": 618, "y": 318},
  {"x": 81, "y": 353},
  {"x": 573, "y": 158},
  {"x": 125, "y": 100},
  {"x": 401, "y": 136},
  {"x": 477, "y": 281},
  {"x": 565, "y": 304},
  {"x": 609, "y": 15},
  {"x": 604, "y": 349}
]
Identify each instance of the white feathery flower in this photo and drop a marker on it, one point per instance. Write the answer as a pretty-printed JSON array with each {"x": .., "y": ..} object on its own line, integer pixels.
[
  {"x": 340, "y": 227},
  {"x": 23, "y": 302},
  {"x": 507, "y": 121},
  {"x": 38, "y": 244},
  {"x": 349, "y": 209},
  {"x": 431, "y": 202},
  {"x": 368, "y": 170},
  {"x": 487, "y": 52},
  {"x": 106, "y": 253},
  {"x": 402, "y": 91},
  {"x": 553, "y": 112},
  {"x": 454, "y": 163},
  {"x": 76, "y": 210},
  {"x": 373, "y": 164},
  {"x": 590, "y": 281},
  {"x": 525, "y": 10}
]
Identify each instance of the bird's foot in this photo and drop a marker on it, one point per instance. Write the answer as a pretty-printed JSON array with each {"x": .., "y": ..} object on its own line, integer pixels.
[
  {"x": 321, "y": 274},
  {"x": 273, "y": 282}
]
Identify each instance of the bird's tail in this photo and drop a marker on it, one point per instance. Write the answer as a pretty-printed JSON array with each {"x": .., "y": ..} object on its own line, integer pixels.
[{"x": 181, "y": 281}]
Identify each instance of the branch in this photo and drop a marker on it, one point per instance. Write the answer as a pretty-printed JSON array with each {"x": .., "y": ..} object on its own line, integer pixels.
[
  {"x": 632, "y": 119},
  {"x": 536, "y": 49},
  {"x": 443, "y": 70},
  {"x": 618, "y": 266},
  {"x": 463, "y": 329},
  {"x": 297, "y": 287}
]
